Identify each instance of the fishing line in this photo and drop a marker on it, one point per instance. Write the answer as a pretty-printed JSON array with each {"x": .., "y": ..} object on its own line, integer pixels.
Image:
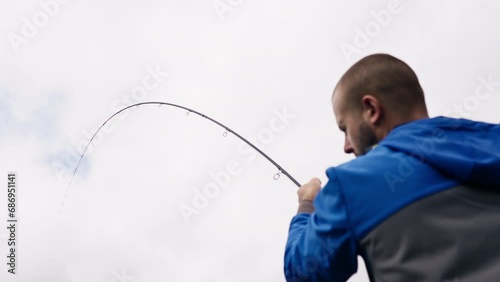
[{"x": 226, "y": 132}]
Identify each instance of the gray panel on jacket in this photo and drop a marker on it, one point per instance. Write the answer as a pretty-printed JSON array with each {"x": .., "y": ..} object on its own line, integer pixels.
[{"x": 451, "y": 236}]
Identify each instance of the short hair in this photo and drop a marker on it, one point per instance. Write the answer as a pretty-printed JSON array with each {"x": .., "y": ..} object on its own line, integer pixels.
[{"x": 386, "y": 77}]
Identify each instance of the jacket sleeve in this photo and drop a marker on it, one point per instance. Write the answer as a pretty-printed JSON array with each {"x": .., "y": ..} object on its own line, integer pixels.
[{"x": 320, "y": 244}]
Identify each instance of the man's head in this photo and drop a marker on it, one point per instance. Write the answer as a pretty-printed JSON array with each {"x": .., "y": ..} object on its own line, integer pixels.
[{"x": 376, "y": 94}]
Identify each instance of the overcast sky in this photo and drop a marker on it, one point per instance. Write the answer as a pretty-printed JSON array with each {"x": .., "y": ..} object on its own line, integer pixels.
[{"x": 163, "y": 196}]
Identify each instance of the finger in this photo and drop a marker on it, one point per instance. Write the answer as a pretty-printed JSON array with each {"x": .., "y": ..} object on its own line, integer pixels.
[{"x": 315, "y": 181}]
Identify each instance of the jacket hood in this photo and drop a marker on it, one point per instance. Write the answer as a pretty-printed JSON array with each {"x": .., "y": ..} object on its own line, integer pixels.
[{"x": 465, "y": 150}]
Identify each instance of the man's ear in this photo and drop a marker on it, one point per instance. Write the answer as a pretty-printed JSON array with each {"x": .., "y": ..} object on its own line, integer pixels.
[{"x": 372, "y": 109}]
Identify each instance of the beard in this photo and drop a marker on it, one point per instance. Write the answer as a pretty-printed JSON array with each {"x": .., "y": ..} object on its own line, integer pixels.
[{"x": 366, "y": 139}]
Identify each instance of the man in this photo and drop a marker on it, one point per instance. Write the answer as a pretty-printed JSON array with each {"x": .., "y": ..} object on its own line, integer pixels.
[{"x": 419, "y": 203}]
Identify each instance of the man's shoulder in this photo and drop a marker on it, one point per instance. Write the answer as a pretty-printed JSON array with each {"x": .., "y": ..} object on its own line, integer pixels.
[
  {"x": 382, "y": 182},
  {"x": 378, "y": 159}
]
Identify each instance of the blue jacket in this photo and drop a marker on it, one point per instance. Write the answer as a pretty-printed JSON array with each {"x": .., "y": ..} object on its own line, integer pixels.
[{"x": 418, "y": 207}]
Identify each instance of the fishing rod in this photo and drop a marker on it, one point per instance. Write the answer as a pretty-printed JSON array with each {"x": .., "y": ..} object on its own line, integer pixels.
[{"x": 228, "y": 130}]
